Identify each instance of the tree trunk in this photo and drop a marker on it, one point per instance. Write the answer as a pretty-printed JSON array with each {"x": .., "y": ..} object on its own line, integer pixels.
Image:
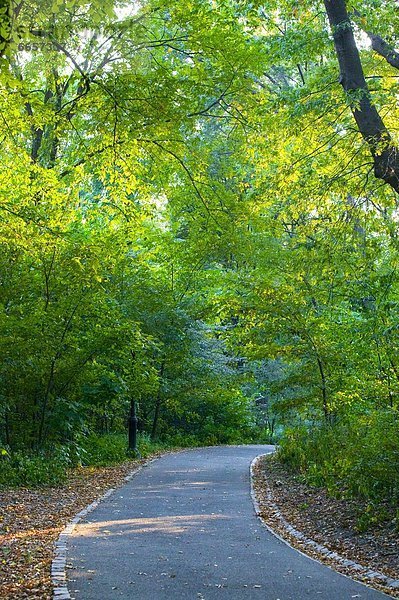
[
  {"x": 156, "y": 417},
  {"x": 368, "y": 120},
  {"x": 158, "y": 404},
  {"x": 326, "y": 411}
]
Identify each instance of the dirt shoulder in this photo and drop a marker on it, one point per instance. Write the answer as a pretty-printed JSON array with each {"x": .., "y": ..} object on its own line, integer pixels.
[
  {"x": 31, "y": 520},
  {"x": 328, "y": 521}
]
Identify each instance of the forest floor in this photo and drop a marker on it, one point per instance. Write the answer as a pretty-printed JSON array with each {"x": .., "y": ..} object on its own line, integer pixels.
[
  {"x": 331, "y": 522},
  {"x": 32, "y": 519}
]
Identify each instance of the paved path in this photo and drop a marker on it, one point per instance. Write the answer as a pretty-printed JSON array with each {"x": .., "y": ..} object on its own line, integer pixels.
[{"x": 185, "y": 528}]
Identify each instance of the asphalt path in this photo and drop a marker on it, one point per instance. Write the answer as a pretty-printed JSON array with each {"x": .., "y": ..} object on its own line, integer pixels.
[{"x": 184, "y": 528}]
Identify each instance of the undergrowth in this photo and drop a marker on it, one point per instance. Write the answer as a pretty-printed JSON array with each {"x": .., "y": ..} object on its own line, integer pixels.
[
  {"x": 50, "y": 467},
  {"x": 357, "y": 458}
]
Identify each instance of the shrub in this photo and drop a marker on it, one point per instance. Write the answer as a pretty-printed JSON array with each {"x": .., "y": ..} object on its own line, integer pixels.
[
  {"x": 358, "y": 458},
  {"x": 103, "y": 450},
  {"x": 34, "y": 470},
  {"x": 147, "y": 446},
  {"x": 111, "y": 449},
  {"x": 51, "y": 468}
]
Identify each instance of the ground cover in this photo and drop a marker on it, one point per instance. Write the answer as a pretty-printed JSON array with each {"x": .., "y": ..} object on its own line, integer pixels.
[{"x": 337, "y": 523}]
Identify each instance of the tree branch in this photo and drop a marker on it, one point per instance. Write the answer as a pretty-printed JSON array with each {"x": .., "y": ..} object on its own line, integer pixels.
[{"x": 382, "y": 48}]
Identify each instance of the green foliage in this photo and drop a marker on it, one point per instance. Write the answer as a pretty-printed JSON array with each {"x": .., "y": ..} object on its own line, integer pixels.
[
  {"x": 373, "y": 514},
  {"x": 103, "y": 450},
  {"x": 357, "y": 458},
  {"x": 36, "y": 470},
  {"x": 223, "y": 435},
  {"x": 20, "y": 469},
  {"x": 111, "y": 449},
  {"x": 147, "y": 446},
  {"x": 189, "y": 222}
]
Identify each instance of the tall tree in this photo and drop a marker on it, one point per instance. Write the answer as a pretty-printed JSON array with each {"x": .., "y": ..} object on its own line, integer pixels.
[{"x": 370, "y": 123}]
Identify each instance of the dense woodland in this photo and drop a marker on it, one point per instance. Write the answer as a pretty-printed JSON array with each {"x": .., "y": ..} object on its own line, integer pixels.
[{"x": 199, "y": 214}]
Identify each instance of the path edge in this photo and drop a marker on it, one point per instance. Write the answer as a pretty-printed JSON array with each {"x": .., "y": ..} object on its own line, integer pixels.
[
  {"x": 369, "y": 575},
  {"x": 59, "y": 562}
]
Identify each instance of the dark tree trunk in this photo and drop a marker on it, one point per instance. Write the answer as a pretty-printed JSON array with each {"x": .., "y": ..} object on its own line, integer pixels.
[
  {"x": 157, "y": 404},
  {"x": 36, "y": 144},
  {"x": 326, "y": 411},
  {"x": 133, "y": 426},
  {"x": 368, "y": 120},
  {"x": 156, "y": 417}
]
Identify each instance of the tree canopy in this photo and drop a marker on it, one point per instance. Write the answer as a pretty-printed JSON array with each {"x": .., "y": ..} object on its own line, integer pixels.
[{"x": 199, "y": 212}]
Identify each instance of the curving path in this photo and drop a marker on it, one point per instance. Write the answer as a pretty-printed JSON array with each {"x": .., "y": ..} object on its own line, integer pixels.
[{"x": 184, "y": 528}]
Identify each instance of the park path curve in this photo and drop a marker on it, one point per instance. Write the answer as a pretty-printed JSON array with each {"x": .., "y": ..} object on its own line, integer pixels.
[{"x": 184, "y": 528}]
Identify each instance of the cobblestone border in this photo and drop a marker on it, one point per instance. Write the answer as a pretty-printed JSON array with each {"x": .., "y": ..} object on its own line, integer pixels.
[
  {"x": 365, "y": 573},
  {"x": 59, "y": 562}
]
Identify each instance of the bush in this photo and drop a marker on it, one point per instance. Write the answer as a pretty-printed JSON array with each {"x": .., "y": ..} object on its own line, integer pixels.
[
  {"x": 374, "y": 457},
  {"x": 34, "y": 470},
  {"x": 147, "y": 446},
  {"x": 111, "y": 449},
  {"x": 51, "y": 468},
  {"x": 358, "y": 458},
  {"x": 103, "y": 450},
  {"x": 180, "y": 440}
]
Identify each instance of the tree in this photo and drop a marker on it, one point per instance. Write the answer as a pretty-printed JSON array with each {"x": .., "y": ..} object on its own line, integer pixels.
[{"x": 367, "y": 117}]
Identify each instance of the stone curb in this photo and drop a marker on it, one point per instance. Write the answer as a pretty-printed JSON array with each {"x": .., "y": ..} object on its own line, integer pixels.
[
  {"x": 58, "y": 564},
  {"x": 364, "y": 572}
]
